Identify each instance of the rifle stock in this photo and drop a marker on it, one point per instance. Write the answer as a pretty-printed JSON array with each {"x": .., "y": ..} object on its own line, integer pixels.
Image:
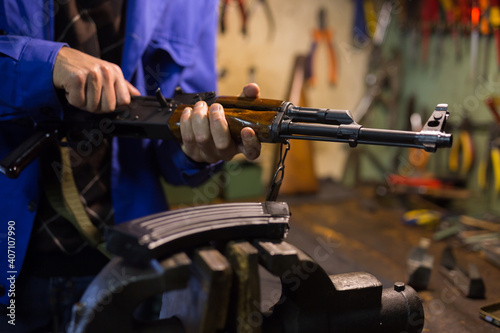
[
  {"x": 259, "y": 114},
  {"x": 272, "y": 120}
]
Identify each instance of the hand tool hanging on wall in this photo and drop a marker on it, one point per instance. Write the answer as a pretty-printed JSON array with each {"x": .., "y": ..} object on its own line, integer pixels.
[
  {"x": 300, "y": 177},
  {"x": 474, "y": 39},
  {"x": 383, "y": 21},
  {"x": 429, "y": 19},
  {"x": 360, "y": 31},
  {"x": 489, "y": 168},
  {"x": 462, "y": 153},
  {"x": 269, "y": 15},
  {"x": 370, "y": 17},
  {"x": 495, "y": 25},
  {"x": 484, "y": 29},
  {"x": 412, "y": 23},
  {"x": 381, "y": 71},
  {"x": 440, "y": 29},
  {"x": 382, "y": 86},
  {"x": 492, "y": 106},
  {"x": 484, "y": 21},
  {"x": 452, "y": 12},
  {"x": 463, "y": 19},
  {"x": 223, "y": 13},
  {"x": 322, "y": 34},
  {"x": 464, "y": 8}
]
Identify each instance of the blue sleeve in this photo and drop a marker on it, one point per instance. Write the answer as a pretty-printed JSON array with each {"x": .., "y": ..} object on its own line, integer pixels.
[
  {"x": 26, "y": 65},
  {"x": 137, "y": 165},
  {"x": 178, "y": 169}
]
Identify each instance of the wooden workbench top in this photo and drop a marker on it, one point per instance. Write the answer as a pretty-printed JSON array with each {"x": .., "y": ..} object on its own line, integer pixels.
[{"x": 364, "y": 233}]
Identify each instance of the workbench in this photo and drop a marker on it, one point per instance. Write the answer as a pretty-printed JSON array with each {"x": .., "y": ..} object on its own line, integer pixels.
[{"x": 348, "y": 230}]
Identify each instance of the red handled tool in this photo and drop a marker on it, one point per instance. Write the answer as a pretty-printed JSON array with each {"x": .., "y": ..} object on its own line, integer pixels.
[
  {"x": 243, "y": 12},
  {"x": 490, "y": 102},
  {"x": 429, "y": 16},
  {"x": 495, "y": 24}
]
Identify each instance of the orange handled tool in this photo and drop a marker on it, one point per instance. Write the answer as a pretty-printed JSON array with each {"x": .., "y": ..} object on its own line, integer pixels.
[{"x": 322, "y": 33}]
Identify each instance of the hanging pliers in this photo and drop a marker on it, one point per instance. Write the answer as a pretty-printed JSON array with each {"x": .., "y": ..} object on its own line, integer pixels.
[
  {"x": 269, "y": 15},
  {"x": 243, "y": 12},
  {"x": 322, "y": 33}
]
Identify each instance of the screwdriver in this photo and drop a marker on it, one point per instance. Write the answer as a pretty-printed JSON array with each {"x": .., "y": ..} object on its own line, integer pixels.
[
  {"x": 484, "y": 28},
  {"x": 475, "y": 16}
]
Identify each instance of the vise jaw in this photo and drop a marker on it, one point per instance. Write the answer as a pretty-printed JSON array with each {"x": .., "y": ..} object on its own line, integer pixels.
[{"x": 207, "y": 263}]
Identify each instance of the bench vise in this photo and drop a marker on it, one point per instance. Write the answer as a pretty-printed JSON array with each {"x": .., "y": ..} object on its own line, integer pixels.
[{"x": 206, "y": 260}]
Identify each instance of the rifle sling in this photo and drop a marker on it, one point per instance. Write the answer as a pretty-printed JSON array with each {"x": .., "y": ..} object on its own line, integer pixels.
[{"x": 64, "y": 198}]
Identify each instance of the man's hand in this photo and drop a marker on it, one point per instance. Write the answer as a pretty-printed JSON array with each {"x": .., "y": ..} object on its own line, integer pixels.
[
  {"x": 206, "y": 137},
  {"x": 91, "y": 83}
]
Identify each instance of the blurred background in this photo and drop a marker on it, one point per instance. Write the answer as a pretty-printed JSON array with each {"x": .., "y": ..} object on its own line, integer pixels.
[
  {"x": 390, "y": 63},
  {"x": 385, "y": 61}
]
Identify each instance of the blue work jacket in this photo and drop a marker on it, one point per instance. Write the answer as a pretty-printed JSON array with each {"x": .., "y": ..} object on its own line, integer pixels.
[{"x": 168, "y": 43}]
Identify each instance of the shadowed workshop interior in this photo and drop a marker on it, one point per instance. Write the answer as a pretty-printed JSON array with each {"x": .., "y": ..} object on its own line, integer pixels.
[
  {"x": 374, "y": 205},
  {"x": 362, "y": 201}
]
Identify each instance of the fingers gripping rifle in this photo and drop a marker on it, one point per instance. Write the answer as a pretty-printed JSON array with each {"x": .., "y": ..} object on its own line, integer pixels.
[{"x": 273, "y": 121}]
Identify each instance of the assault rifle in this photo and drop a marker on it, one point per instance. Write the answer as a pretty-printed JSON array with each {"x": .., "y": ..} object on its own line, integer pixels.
[{"x": 274, "y": 121}]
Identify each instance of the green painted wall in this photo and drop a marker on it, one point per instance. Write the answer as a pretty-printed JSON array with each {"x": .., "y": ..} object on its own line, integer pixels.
[{"x": 443, "y": 79}]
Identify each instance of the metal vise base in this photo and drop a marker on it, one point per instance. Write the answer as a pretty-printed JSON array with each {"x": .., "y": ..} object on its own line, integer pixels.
[{"x": 210, "y": 281}]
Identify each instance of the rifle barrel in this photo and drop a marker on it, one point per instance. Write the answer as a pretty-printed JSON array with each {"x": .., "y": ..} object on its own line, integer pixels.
[{"x": 355, "y": 134}]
